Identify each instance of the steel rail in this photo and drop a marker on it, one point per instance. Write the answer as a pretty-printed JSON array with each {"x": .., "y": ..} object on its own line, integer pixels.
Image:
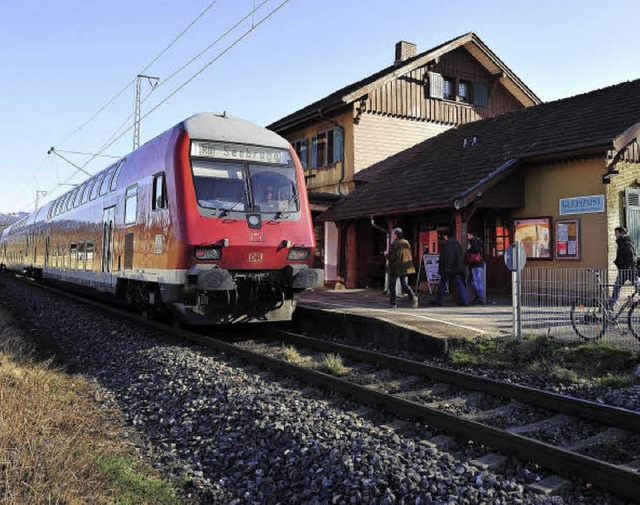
[
  {"x": 616, "y": 479},
  {"x": 607, "y": 476},
  {"x": 586, "y": 409}
]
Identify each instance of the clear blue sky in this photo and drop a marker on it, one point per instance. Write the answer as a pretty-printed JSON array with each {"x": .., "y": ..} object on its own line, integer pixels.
[{"x": 61, "y": 61}]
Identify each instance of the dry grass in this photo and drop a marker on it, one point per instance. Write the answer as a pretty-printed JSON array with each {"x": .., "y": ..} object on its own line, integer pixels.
[
  {"x": 332, "y": 363},
  {"x": 290, "y": 354},
  {"x": 55, "y": 441}
]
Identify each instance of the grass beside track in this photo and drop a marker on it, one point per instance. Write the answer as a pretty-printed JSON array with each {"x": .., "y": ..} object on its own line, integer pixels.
[
  {"x": 56, "y": 444},
  {"x": 596, "y": 362}
]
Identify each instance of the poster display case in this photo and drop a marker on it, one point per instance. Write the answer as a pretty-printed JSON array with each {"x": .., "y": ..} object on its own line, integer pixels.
[
  {"x": 567, "y": 239},
  {"x": 535, "y": 236}
]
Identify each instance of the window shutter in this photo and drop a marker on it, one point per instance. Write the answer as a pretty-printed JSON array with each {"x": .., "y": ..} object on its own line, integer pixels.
[
  {"x": 480, "y": 93},
  {"x": 303, "y": 153},
  {"x": 632, "y": 205},
  {"x": 314, "y": 151},
  {"x": 338, "y": 134},
  {"x": 436, "y": 85}
]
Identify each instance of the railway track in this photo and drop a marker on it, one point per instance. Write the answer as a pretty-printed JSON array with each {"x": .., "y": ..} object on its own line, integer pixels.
[{"x": 466, "y": 406}]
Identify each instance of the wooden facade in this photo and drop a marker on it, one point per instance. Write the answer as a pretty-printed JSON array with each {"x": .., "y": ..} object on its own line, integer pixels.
[
  {"x": 394, "y": 110},
  {"x": 408, "y": 95}
]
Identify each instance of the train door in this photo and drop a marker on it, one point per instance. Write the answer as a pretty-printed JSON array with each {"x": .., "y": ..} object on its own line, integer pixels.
[
  {"x": 108, "y": 219},
  {"x": 47, "y": 246}
]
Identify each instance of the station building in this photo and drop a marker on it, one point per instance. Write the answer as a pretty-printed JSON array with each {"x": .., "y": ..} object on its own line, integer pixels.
[
  {"x": 558, "y": 177},
  {"x": 345, "y": 133}
]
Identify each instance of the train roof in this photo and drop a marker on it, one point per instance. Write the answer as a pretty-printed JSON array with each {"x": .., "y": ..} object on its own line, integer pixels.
[{"x": 210, "y": 126}]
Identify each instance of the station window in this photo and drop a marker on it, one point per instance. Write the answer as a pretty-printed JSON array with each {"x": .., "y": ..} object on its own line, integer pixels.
[
  {"x": 131, "y": 205},
  {"x": 327, "y": 147},
  {"x": 301, "y": 148},
  {"x": 500, "y": 239},
  {"x": 449, "y": 89},
  {"x": 159, "y": 193},
  {"x": 464, "y": 91}
]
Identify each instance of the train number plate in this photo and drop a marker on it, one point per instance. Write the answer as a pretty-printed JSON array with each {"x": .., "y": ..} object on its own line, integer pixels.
[{"x": 256, "y": 257}]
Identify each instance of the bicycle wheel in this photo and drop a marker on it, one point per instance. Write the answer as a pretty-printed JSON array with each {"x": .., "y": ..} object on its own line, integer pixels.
[
  {"x": 588, "y": 321},
  {"x": 633, "y": 319}
]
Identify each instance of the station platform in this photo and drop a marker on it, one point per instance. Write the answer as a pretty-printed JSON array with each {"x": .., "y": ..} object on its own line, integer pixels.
[{"x": 364, "y": 315}]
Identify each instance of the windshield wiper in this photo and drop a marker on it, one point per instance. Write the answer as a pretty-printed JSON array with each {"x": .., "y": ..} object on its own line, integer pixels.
[
  {"x": 225, "y": 212},
  {"x": 286, "y": 210}
]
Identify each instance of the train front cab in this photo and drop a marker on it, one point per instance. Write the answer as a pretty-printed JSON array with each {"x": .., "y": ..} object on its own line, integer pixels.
[{"x": 249, "y": 233}]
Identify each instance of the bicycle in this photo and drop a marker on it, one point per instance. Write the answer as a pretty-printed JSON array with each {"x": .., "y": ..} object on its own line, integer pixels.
[{"x": 591, "y": 320}]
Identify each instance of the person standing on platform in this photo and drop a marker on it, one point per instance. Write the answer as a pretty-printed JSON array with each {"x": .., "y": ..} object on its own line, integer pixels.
[
  {"x": 473, "y": 259},
  {"x": 625, "y": 261},
  {"x": 400, "y": 266},
  {"x": 451, "y": 270}
]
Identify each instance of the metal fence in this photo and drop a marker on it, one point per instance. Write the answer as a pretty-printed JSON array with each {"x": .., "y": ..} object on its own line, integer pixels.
[{"x": 561, "y": 302}]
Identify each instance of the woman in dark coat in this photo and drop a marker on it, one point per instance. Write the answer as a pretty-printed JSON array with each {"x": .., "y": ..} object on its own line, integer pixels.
[{"x": 400, "y": 266}]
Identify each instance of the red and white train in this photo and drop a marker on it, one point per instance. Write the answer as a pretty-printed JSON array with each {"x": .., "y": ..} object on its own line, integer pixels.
[{"x": 210, "y": 220}]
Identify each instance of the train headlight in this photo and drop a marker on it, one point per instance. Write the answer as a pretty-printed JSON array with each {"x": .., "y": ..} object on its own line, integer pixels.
[
  {"x": 298, "y": 254},
  {"x": 207, "y": 253}
]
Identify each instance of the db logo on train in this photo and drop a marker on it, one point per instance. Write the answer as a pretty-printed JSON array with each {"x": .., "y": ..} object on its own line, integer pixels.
[{"x": 255, "y": 257}]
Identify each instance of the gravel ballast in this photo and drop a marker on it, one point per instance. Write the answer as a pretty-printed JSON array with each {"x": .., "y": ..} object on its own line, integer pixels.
[{"x": 238, "y": 434}]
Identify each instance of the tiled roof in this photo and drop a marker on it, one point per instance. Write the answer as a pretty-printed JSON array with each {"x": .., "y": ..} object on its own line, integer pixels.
[
  {"x": 434, "y": 172},
  {"x": 337, "y": 98}
]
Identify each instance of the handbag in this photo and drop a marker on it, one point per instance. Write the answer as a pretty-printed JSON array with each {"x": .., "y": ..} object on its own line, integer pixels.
[{"x": 472, "y": 258}]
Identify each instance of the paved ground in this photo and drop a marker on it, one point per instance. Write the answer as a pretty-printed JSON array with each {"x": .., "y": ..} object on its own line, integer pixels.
[{"x": 493, "y": 319}]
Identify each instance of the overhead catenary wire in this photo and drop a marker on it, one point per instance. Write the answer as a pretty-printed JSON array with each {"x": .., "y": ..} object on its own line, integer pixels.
[
  {"x": 173, "y": 74},
  {"x": 119, "y": 93},
  {"x": 156, "y": 58},
  {"x": 79, "y": 153},
  {"x": 211, "y": 62},
  {"x": 216, "y": 58}
]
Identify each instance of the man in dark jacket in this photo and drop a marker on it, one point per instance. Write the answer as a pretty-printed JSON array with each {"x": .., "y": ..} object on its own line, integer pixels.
[
  {"x": 400, "y": 266},
  {"x": 475, "y": 267},
  {"x": 451, "y": 270},
  {"x": 625, "y": 261}
]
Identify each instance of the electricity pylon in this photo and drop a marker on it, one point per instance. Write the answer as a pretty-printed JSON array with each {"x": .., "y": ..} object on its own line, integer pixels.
[{"x": 153, "y": 82}]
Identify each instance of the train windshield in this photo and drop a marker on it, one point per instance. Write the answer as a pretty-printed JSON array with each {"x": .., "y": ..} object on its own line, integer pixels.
[
  {"x": 274, "y": 188},
  {"x": 220, "y": 185},
  {"x": 242, "y": 187}
]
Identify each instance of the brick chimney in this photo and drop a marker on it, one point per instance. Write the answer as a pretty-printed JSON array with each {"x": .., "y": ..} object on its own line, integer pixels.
[{"x": 405, "y": 50}]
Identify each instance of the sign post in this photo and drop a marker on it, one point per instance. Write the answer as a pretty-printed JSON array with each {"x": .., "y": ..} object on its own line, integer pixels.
[{"x": 515, "y": 259}]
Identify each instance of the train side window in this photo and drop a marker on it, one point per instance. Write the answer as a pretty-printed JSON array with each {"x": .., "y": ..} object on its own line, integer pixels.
[
  {"x": 72, "y": 197},
  {"x": 73, "y": 255},
  {"x": 89, "y": 256},
  {"x": 104, "y": 187},
  {"x": 96, "y": 186},
  {"x": 159, "y": 193},
  {"x": 80, "y": 255},
  {"x": 131, "y": 205},
  {"x": 67, "y": 201},
  {"x": 116, "y": 175},
  {"x": 87, "y": 193},
  {"x": 78, "y": 198}
]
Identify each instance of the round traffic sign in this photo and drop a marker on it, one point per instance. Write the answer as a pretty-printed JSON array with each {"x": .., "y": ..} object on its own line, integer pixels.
[{"x": 513, "y": 260}]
